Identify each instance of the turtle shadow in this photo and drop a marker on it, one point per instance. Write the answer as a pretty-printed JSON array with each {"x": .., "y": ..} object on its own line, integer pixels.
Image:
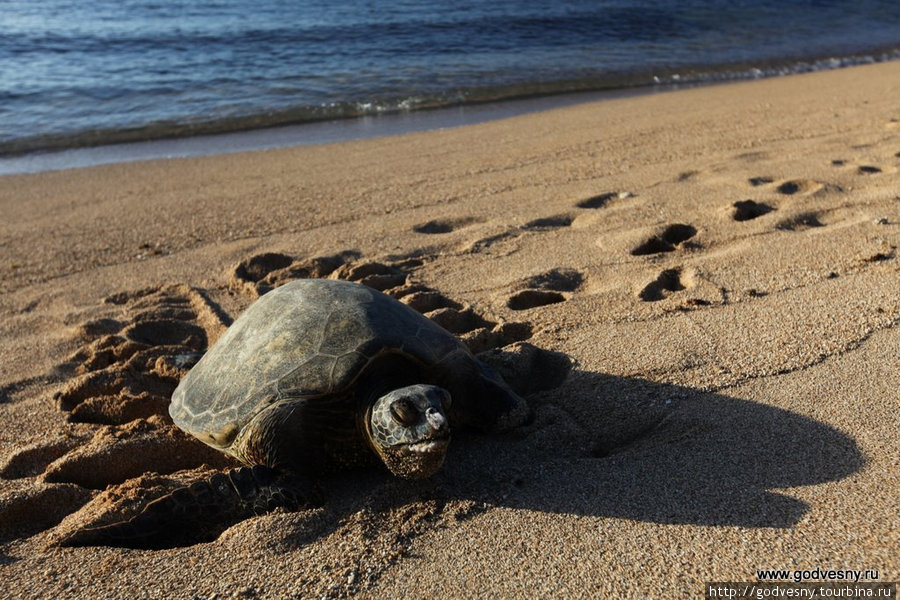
[{"x": 622, "y": 447}]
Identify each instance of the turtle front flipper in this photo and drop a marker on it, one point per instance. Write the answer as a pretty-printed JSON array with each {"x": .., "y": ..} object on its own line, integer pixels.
[
  {"x": 491, "y": 386},
  {"x": 480, "y": 397},
  {"x": 199, "y": 512},
  {"x": 527, "y": 368}
]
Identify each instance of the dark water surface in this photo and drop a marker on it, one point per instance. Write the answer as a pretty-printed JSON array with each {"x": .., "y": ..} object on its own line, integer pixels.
[{"x": 76, "y": 73}]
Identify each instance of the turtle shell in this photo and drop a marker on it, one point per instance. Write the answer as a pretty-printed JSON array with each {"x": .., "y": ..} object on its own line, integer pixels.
[{"x": 309, "y": 339}]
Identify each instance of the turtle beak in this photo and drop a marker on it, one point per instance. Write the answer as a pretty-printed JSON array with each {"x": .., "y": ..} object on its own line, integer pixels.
[{"x": 436, "y": 420}]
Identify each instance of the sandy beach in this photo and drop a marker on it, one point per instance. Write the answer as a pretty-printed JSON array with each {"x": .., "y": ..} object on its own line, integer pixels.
[{"x": 720, "y": 263}]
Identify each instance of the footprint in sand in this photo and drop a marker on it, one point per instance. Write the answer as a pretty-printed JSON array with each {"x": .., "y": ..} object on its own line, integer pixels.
[
  {"x": 601, "y": 200},
  {"x": 800, "y": 222},
  {"x": 758, "y": 181},
  {"x": 485, "y": 243},
  {"x": 798, "y": 186},
  {"x": 789, "y": 187},
  {"x": 257, "y": 267},
  {"x": 862, "y": 169},
  {"x": 560, "y": 280},
  {"x": 549, "y": 223},
  {"x": 380, "y": 276},
  {"x": 542, "y": 224},
  {"x": 261, "y": 273},
  {"x": 477, "y": 331},
  {"x": 545, "y": 288},
  {"x": 445, "y": 225},
  {"x": 425, "y": 300},
  {"x": 526, "y": 299},
  {"x": 747, "y": 210},
  {"x": 669, "y": 239},
  {"x": 668, "y": 282},
  {"x": 688, "y": 286}
]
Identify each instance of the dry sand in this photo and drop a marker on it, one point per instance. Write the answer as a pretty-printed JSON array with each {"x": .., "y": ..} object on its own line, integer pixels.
[{"x": 721, "y": 263}]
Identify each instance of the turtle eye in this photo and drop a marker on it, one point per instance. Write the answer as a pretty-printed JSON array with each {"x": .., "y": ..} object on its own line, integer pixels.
[{"x": 404, "y": 413}]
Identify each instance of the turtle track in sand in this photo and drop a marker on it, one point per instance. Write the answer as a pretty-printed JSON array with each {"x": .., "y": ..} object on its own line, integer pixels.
[
  {"x": 121, "y": 449},
  {"x": 116, "y": 400},
  {"x": 129, "y": 365},
  {"x": 396, "y": 278}
]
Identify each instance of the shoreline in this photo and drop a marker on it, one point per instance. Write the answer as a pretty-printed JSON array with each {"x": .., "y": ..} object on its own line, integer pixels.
[
  {"x": 306, "y": 134},
  {"x": 393, "y": 122},
  {"x": 721, "y": 262}
]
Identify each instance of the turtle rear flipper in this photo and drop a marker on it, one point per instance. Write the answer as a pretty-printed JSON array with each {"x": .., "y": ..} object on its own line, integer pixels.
[{"x": 198, "y": 512}]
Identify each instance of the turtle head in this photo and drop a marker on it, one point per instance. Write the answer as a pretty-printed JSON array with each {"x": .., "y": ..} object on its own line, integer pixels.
[{"x": 409, "y": 430}]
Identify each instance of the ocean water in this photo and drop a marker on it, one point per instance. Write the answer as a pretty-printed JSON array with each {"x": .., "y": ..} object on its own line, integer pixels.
[{"x": 75, "y": 73}]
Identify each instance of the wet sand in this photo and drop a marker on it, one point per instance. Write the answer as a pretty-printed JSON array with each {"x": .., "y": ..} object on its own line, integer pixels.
[{"x": 720, "y": 263}]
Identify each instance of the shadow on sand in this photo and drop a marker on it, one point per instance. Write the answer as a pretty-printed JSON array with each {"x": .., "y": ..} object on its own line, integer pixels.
[
  {"x": 629, "y": 448},
  {"x": 606, "y": 446}
]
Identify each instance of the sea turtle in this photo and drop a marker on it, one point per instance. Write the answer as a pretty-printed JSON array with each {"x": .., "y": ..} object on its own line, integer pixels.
[
  {"x": 319, "y": 375},
  {"x": 323, "y": 373}
]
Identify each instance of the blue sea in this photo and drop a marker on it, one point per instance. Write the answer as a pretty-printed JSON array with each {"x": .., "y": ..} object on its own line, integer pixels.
[{"x": 76, "y": 73}]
